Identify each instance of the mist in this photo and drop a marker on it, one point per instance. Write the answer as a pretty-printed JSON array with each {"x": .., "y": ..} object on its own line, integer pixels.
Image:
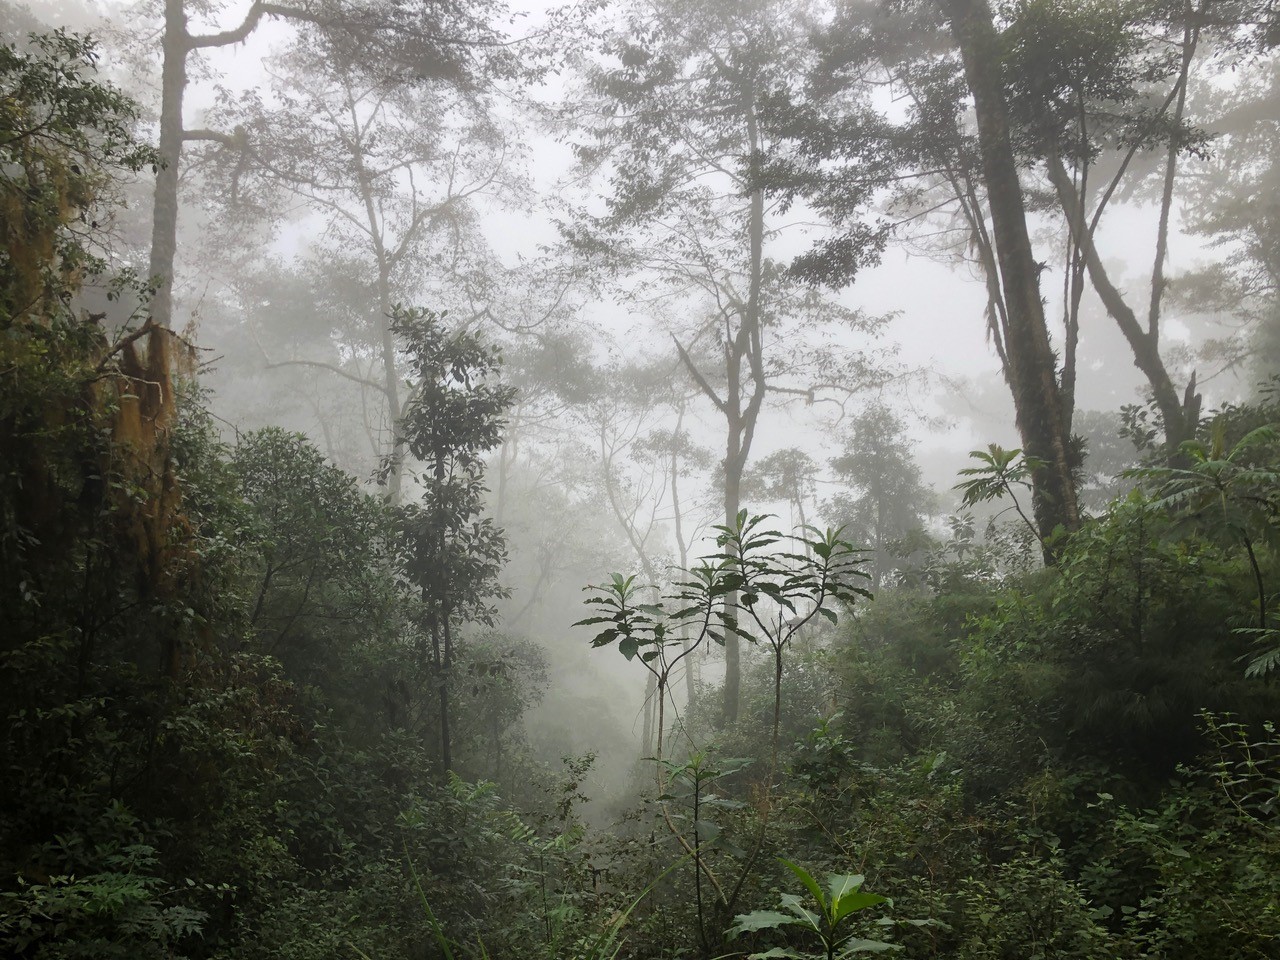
[{"x": 639, "y": 479}]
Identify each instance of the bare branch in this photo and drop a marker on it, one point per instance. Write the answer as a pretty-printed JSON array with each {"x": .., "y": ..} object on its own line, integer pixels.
[
  {"x": 698, "y": 377},
  {"x": 320, "y": 365}
]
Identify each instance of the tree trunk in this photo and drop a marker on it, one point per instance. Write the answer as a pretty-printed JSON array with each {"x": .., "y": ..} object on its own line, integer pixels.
[
  {"x": 1041, "y": 418},
  {"x": 690, "y": 681},
  {"x": 646, "y": 731},
  {"x": 390, "y": 375},
  {"x": 446, "y": 737},
  {"x": 1179, "y": 414},
  {"x": 164, "y": 218},
  {"x": 748, "y": 346},
  {"x": 743, "y": 353},
  {"x": 732, "y": 645}
]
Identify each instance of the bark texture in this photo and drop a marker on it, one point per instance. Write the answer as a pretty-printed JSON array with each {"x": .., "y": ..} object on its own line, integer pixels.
[{"x": 1031, "y": 364}]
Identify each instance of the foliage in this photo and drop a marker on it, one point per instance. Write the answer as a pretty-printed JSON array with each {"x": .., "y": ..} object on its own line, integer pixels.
[
  {"x": 451, "y": 554},
  {"x": 225, "y": 666},
  {"x": 315, "y": 565},
  {"x": 454, "y": 417},
  {"x": 888, "y": 503},
  {"x": 64, "y": 135},
  {"x": 782, "y": 583},
  {"x": 836, "y": 905},
  {"x": 1001, "y": 473},
  {"x": 1239, "y": 487}
]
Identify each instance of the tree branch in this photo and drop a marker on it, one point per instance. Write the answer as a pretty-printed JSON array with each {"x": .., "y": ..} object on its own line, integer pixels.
[
  {"x": 228, "y": 37},
  {"x": 354, "y": 378},
  {"x": 698, "y": 377}
]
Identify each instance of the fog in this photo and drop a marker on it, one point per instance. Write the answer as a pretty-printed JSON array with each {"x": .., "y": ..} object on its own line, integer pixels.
[{"x": 571, "y": 291}]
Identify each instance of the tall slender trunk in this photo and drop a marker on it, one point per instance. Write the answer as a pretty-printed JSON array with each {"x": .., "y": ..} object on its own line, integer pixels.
[
  {"x": 732, "y": 645},
  {"x": 747, "y": 345},
  {"x": 1041, "y": 418},
  {"x": 441, "y": 632},
  {"x": 646, "y": 731},
  {"x": 690, "y": 686},
  {"x": 743, "y": 357},
  {"x": 446, "y": 735},
  {"x": 164, "y": 219},
  {"x": 390, "y": 375},
  {"x": 391, "y": 386}
]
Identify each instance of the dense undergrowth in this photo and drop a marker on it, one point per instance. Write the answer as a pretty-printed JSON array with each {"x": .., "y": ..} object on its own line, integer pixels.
[{"x": 221, "y": 712}]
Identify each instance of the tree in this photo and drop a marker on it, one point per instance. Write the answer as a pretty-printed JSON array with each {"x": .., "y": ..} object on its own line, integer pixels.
[
  {"x": 675, "y": 121},
  {"x": 453, "y": 554},
  {"x": 636, "y": 487},
  {"x": 397, "y": 41},
  {"x": 67, "y": 141},
  {"x": 1080, "y": 82},
  {"x": 1042, "y": 419},
  {"x": 888, "y": 503},
  {"x": 99, "y": 556},
  {"x": 834, "y": 146},
  {"x": 395, "y": 176},
  {"x": 789, "y": 475},
  {"x": 87, "y": 423},
  {"x": 316, "y": 558},
  {"x": 1230, "y": 199}
]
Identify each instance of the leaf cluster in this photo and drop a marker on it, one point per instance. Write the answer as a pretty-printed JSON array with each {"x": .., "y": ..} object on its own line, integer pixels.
[{"x": 836, "y": 905}]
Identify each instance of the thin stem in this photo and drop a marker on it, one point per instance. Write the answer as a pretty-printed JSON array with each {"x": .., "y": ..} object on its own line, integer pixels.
[{"x": 1257, "y": 579}]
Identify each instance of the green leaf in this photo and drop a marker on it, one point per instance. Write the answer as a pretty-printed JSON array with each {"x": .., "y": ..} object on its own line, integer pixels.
[
  {"x": 858, "y": 945},
  {"x": 854, "y": 901},
  {"x": 761, "y": 920},
  {"x": 810, "y": 919},
  {"x": 842, "y": 884},
  {"x": 807, "y": 879}
]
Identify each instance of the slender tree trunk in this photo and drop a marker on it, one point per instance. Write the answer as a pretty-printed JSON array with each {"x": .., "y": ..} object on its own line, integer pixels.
[
  {"x": 743, "y": 356},
  {"x": 660, "y": 718},
  {"x": 646, "y": 731},
  {"x": 391, "y": 385},
  {"x": 677, "y": 514},
  {"x": 390, "y": 375},
  {"x": 1041, "y": 418},
  {"x": 1178, "y": 413},
  {"x": 732, "y": 645},
  {"x": 748, "y": 346},
  {"x": 164, "y": 218},
  {"x": 446, "y": 736}
]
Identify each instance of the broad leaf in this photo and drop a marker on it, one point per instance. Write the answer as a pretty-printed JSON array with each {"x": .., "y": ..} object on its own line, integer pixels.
[
  {"x": 858, "y": 945},
  {"x": 807, "y": 879},
  {"x": 761, "y": 920}
]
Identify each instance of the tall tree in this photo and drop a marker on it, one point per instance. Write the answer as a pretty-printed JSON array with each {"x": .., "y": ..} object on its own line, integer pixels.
[
  {"x": 642, "y": 459},
  {"x": 395, "y": 41},
  {"x": 1031, "y": 363},
  {"x": 395, "y": 176},
  {"x": 888, "y": 503},
  {"x": 1231, "y": 198},
  {"x": 674, "y": 122},
  {"x": 1059, "y": 92},
  {"x": 1081, "y": 81},
  {"x": 454, "y": 416}
]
